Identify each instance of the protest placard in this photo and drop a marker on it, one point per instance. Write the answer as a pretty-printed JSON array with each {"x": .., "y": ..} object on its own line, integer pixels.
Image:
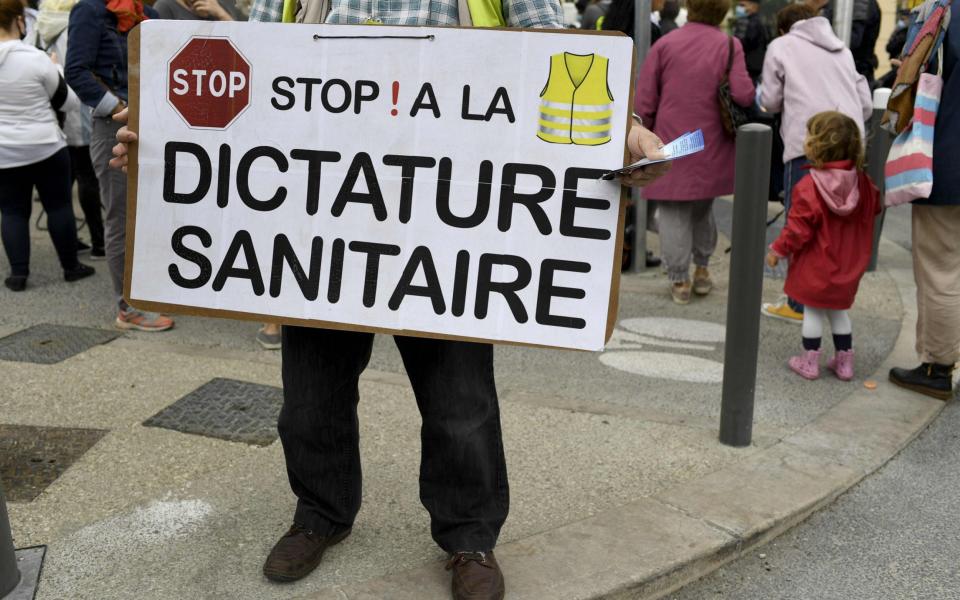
[{"x": 440, "y": 182}]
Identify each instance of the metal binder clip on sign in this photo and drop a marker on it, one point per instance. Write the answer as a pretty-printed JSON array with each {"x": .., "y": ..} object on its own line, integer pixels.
[{"x": 685, "y": 145}]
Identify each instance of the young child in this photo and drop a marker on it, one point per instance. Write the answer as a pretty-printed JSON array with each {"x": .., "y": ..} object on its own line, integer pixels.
[{"x": 828, "y": 239}]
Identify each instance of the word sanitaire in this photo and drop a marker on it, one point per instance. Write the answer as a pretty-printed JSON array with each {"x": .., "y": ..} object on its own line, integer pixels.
[{"x": 241, "y": 261}]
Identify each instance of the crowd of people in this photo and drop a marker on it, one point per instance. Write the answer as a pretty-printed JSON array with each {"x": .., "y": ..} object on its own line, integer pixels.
[
  {"x": 48, "y": 142},
  {"x": 798, "y": 75},
  {"x": 63, "y": 95}
]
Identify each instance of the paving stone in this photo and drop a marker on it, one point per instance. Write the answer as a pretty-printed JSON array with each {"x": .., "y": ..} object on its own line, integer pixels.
[
  {"x": 48, "y": 344},
  {"x": 227, "y": 409},
  {"x": 31, "y": 458}
]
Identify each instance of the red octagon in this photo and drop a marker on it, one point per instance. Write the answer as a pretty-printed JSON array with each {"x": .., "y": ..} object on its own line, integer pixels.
[{"x": 208, "y": 82}]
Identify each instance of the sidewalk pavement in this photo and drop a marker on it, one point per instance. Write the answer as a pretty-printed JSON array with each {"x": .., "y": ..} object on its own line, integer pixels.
[{"x": 619, "y": 487}]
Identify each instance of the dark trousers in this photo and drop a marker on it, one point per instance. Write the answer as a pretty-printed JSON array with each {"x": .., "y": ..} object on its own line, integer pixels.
[
  {"x": 51, "y": 177},
  {"x": 463, "y": 474},
  {"x": 88, "y": 190},
  {"x": 793, "y": 172}
]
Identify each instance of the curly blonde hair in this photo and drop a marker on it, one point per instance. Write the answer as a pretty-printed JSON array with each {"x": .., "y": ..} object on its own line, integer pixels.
[{"x": 833, "y": 136}]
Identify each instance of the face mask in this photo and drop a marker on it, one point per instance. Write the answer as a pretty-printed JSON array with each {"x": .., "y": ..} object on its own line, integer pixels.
[{"x": 740, "y": 12}]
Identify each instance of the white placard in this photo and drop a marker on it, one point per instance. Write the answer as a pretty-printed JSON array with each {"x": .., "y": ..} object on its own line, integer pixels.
[{"x": 431, "y": 181}]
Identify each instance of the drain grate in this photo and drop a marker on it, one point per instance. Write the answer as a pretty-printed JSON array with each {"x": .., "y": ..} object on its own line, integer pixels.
[
  {"x": 47, "y": 344},
  {"x": 227, "y": 409},
  {"x": 31, "y": 458}
]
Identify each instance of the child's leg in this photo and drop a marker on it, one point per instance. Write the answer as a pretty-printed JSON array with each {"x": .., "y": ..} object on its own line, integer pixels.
[
  {"x": 842, "y": 329},
  {"x": 842, "y": 361},
  {"x": 812, "y": 328}
]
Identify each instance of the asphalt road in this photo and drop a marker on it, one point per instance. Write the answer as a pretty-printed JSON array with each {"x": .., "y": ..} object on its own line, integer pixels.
[{"x": 896, "y": 536}]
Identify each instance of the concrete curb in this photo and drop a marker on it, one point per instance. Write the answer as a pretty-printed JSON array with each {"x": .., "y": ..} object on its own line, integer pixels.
[{"x": 655, "y": 545}]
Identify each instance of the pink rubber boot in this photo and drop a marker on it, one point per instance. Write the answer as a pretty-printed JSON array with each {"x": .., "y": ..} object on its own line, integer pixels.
[
  {"x": 842, "y": 365},
  {"x": 806, "y": 365}
]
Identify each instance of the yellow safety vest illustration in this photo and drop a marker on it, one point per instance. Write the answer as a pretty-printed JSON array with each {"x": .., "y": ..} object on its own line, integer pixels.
[{"x": 576, "y": 106}]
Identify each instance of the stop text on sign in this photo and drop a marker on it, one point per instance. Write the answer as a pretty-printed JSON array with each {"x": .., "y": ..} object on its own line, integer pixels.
[
  {"x": 209, "y": 83},
  {"x": 217, "y": 83}
]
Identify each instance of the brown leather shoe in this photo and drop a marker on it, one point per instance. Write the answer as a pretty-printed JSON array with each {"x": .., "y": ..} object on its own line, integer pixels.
[
  {"x": 476, "y": 576},
  {"x": 298, "y": 553}
]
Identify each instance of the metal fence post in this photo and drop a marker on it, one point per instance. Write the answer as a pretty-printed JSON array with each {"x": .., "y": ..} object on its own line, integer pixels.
[
  {"x": 9, "y": 573},
  {"x": 843, "y": 20},
  {"x": 878, "y": 147},
  {"x": 641, "y": 40},
  {"x": 746, "y": 283}
]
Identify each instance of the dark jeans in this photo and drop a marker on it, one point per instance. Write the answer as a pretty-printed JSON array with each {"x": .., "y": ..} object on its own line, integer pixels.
[
  {"x": 88, "y": 190},
  {"x": 793, "y": 172},
  {"x": 463, "y": 474},
  {"x": 51, "y": 177}
]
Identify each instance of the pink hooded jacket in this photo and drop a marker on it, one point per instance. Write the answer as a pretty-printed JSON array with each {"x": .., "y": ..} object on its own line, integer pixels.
[{"x": 808, "y": 71}]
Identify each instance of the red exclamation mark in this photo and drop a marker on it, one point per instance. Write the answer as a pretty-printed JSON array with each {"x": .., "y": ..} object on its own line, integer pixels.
[{"x": 396, "y": 93}]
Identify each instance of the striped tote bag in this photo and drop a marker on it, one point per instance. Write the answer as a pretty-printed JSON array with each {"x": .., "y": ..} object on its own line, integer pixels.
[{"x": 909, "y": 169}]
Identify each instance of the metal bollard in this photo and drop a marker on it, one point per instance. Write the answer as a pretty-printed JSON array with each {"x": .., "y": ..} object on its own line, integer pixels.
[
  {"x": 746, "y": 283},
  {"x": 878, "y": 147},
  {"x": 9, "y": 573}
]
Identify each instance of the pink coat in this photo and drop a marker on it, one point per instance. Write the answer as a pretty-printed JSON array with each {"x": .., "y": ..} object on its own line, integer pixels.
[
  {"x": 677, "y": 93},
  {"x": 808, "y": 71}
]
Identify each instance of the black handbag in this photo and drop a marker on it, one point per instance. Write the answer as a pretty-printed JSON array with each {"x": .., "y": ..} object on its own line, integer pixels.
[{"x": 732, "y": 115}]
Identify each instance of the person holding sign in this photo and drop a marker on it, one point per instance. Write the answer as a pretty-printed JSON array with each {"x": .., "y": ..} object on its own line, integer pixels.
[
  {"x": 463, "y": 477},
  {"x": 96, "y": 68}
]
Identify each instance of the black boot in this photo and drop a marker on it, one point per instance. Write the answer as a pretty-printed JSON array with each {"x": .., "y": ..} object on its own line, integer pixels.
[
  {"x": 78, "y": 272},
  {"x": 930, "y": 379}
]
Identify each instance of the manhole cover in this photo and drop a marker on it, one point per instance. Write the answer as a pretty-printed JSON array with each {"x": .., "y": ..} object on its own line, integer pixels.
[
  {"x": 47, "y": 344},
  {"x": 31, "y": 458},
  {"x": 227, "y": 409}
]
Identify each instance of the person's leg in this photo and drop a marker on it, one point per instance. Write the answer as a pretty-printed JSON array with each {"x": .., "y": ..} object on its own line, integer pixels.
[
  {"x": 321, "y": 444},
  {"x": 793, "y": 172},
  {"x": 807, "y": 364},
  {"x": 842, "y": 329},
  {"x": 88, "y": 191},
  {"x": 318, "y": 424},
  {"x": 113, "y": 193},
  {"x": 676, "y": 247},
  {"x": 936, "y": 250},
  {"x": 936, "y": 269},
  {"x": 463, "y": 473},
  {"x": 813, "y": 329},
  {"x": 676, "y": 239},
  {"x": 16, "y": 189},
  {"x": 113, "y": 188},
  {"x": 52, "y": 180},
  {"x": 704, "y": 244},
  {"x": 269, "y": 336},
  {"x": 704, "y": 231},
  {"x": 787, "y": 189}
]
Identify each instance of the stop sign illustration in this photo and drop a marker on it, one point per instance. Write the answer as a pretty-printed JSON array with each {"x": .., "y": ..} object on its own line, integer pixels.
[{"x": 209, "y": 83}]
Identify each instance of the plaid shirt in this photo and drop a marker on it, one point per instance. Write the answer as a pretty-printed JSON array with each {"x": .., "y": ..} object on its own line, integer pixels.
[{"x": 518, "y": 13}]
